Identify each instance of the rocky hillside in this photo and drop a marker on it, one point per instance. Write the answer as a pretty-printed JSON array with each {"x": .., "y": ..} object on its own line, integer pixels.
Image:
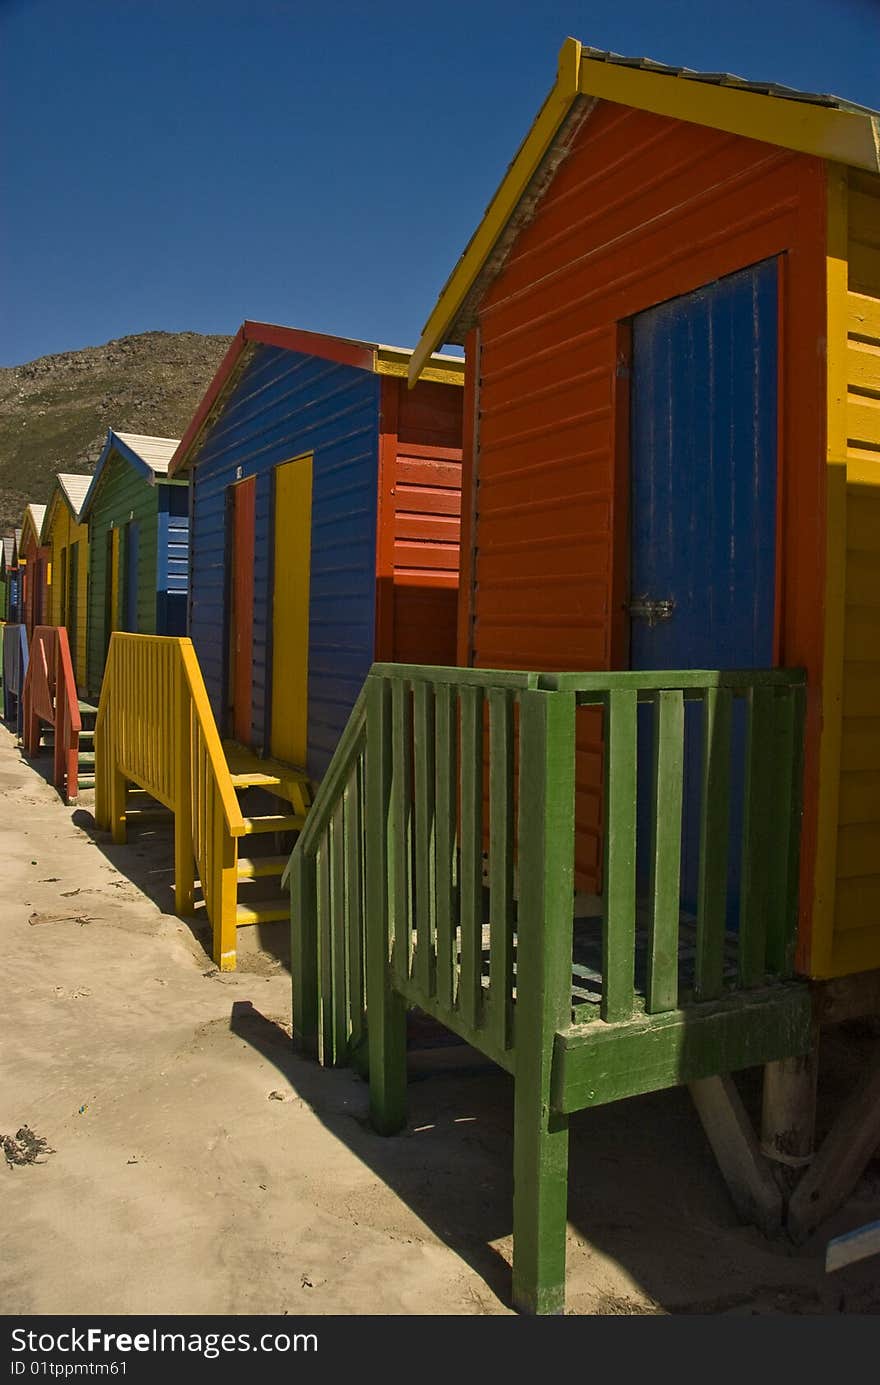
[{"x": 55, "y": 411}]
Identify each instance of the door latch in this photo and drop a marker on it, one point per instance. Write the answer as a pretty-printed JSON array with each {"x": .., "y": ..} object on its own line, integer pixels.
[{"x": 651, "y": 611}]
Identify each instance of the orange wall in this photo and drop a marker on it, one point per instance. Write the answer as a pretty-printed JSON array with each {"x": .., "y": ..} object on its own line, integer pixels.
[
  {"x": 419, "y": 518},
  {"x": 643, "y": 209}
]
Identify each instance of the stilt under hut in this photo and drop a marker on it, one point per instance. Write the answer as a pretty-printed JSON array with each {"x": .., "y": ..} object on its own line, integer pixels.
[
  {"x": 668, "y": 623},
  {"x": 325, "y": 501},
  {"x": 138, "y": 529}
]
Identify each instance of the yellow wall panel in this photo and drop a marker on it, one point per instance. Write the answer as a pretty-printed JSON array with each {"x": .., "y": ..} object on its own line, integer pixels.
[
  {"x": 290, "y": 611},
  {"x": 859, "y": 796},
  {"x": 846, "y": 920},
  {"x": 860, "y": 743}
]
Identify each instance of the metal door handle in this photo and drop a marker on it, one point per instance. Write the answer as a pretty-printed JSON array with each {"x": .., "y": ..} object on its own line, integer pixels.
[{"x": 651, "y": 611}]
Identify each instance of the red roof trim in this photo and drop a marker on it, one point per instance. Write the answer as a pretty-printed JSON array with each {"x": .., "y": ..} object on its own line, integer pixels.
[{"x": 353, "y": 353}]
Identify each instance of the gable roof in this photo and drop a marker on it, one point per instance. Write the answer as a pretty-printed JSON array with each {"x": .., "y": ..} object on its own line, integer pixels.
[
  {"x": 364, "y": 355},
  {"x": 8, "y": 555},
  {"x": 808, "y": 122},
  {"x": 33, "y": 519},
  {"x": 73, "y": 487},
  {"x": 149, "y": 456}
]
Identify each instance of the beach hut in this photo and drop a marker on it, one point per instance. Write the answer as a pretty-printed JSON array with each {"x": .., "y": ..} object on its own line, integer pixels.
[
  {"x": 67, "y": 544},
  {"x": 138, "y": 530},
  {"x": 668, "y": 619},
  {"x": 325, "y": 513},
  {"x": 32, "y": 563}
]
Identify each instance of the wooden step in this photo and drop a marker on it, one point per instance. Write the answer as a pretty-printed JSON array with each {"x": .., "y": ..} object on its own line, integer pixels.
[
  {"x": 258, "y": 867},
  {"x": 86, "y": 781},
  {"x": 275, "y": 822},
  {"x": 87, "y": 757},
  {"x": 256, "y": 780},
  {"x": 87, "y": 733},
  {"x": 266, "y": 912}
]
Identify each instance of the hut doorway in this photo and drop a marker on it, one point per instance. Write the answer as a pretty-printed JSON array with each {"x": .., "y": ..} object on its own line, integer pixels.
[
  {"x": 111, "y": 607},
  {"x": 704, "y": 449},
  {"x": 132, "y": 552},
  {"x": 290, "y": 610},
  {"x": 241, "y": 607}
]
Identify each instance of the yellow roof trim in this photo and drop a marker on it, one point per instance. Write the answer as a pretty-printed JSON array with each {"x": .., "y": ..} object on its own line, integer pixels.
[
  {"x": 445, "y": 370},
  {"x": 846, "y": 137},
  {"x": 842, "y": 136},
  {"x": 502, "y": 206}
]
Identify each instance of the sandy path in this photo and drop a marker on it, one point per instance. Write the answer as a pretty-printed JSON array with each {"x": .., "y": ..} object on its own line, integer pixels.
[{"x": 200, "y": 1167}]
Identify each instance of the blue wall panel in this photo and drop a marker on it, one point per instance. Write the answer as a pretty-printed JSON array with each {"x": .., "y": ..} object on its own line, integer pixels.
[
  {"x": 173, "y": 560},
  {"x": 286, "y": 404}
]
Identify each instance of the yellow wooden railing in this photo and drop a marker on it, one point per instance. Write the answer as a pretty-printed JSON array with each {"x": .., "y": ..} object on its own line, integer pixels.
[{"x": 155, "y": 729}]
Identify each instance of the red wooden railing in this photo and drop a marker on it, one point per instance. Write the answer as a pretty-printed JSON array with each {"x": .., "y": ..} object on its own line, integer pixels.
[{"x": 50, "y": 696}]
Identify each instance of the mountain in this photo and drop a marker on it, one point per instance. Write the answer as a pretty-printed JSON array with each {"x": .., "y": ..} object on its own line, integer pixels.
[{"x": 55, "y": 411}]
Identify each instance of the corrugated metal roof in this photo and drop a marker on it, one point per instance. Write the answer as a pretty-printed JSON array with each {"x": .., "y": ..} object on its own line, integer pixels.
[
  {"x": 156, "y": 452},
  {"x": 37, "y": 514},
  {"x": 74, "y": 486},
  {"x": 8, "y": 548},
  {"x": 728, "y": 79}
]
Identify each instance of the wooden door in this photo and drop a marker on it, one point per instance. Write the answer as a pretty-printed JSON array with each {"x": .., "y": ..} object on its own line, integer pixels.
[
  {"x": 241, "y": 615},
  {"x": 703, "y": 507},
  {"x": 290, "y": 610}
]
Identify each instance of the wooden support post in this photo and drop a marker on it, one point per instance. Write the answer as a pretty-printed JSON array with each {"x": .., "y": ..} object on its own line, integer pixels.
[
  {"x": 841, "y": 1160},
  {"x": 304, "y": 954},
  {"x": 386, "y": 1011},
  {"x": 118, "y": 790},
  {"x": 223, "y": 861},
  {"x": 735, "y": 1146},
  {"x": 788, "y": 1118},
  {"x": 543, "y": 1006},
  {"x": 184, "y": 866}
]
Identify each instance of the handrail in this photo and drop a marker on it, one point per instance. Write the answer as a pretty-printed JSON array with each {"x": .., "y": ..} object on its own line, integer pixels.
[
  {"x": 348, "y": 749},
  {"x": 50, "y": 695},
  {"x": 155, "y": 729},
  {"x": 204, "y": 718},
  {"x": 425, "y": 830}
]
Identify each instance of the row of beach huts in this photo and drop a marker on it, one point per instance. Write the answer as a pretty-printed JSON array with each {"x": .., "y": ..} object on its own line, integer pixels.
[{"x": 540, "y": 690}]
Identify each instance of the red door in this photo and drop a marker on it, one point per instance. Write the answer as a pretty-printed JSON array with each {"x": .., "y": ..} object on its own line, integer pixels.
[{"x": 241, "y": 629}]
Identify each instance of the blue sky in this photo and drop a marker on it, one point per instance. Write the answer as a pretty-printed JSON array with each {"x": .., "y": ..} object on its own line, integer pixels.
[{"x": 184, "y": 164}]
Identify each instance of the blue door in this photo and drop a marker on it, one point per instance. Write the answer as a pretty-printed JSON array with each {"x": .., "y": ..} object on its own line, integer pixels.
[{"x": 703, "y": 507}]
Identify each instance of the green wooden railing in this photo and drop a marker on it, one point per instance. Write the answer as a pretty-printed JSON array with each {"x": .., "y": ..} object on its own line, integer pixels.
[{"x": 438, "y": 858}]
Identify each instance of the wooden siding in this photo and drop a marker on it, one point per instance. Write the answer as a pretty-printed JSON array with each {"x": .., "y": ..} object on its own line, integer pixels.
[
  {"x": 856, "y": 920},
  {"x": 419, "y": 523},
  {"x": 172, "y": 551},
  {"x": 63, "y": 533},
  {"x": 643, "y": 209},
  {"x": 286, "y": 404},
  {"x": 122, "y": 495}
]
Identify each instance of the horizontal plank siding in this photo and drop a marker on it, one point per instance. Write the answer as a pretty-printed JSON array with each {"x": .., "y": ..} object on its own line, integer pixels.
[
  {"x": 283, "y": 405},
  {"x": 124, "y": 495},
  {"x": 425, "y": 522},
  {"x": 173, "y": 558},
  {"x": 858, "y": 834}
]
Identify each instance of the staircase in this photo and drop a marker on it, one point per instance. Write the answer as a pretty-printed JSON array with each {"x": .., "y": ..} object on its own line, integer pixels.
[
  {"x": 53, "y": 716},
  {"x": 155, "y": 733},
  {"x": 85, "y": 757},
  {"x": 274, "y": 799},
  {"x": 85, "y": 778}
]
